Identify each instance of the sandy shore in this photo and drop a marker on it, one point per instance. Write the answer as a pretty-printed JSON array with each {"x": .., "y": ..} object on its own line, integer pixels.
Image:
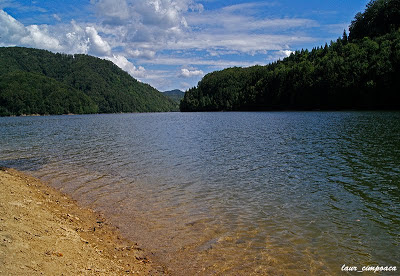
[{"x": 43, "y": 232}]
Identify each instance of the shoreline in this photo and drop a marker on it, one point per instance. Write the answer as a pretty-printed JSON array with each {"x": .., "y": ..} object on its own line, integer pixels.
[{"x": 43, "y": 231}]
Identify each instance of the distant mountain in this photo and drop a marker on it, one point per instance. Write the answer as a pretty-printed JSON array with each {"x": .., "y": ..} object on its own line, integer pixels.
[
  {"x": 176, "y": 95},
  {"x": 34, "y": 81}
]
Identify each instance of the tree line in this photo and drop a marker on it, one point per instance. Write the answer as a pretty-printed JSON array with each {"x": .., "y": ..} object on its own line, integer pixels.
[
  {"x": 357, "y": 71},
  {"x": 34, "y": 81}
]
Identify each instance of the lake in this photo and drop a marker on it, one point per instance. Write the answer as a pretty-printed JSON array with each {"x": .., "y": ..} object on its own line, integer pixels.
[{"x": 229, "y": 193}]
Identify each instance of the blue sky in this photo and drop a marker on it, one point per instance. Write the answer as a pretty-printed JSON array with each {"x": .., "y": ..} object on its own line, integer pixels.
[{"x": 174, "y": 43}]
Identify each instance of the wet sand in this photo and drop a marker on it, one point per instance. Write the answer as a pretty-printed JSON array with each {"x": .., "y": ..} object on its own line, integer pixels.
[{"x": 44, "y": 232}]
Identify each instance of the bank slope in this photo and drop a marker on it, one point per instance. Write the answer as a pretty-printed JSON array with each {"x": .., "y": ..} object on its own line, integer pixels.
[
  {"x": 99, "y": 85},
  {"x": 359, "y": 71}
]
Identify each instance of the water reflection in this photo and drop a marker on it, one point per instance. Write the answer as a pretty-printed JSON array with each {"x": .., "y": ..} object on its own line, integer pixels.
[{"x": 230, "y": 193}]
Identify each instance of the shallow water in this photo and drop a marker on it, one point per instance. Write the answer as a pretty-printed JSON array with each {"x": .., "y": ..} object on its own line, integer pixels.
[{"x": 229, "y": 193}]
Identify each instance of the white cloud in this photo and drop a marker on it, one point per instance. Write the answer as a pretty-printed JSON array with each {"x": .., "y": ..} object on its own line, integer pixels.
[
  {"x": 163, "y": 13},
  {"x": 57, "y": 17},
  {"x": 242, "y": 18},
  {"x": 40, "y": 37},
  {"x": 146, "y": 20},
  {"x": 179, "y": 33},
  {"x": 75, "y": 39},
  {"x": 128, "y": 66},
  {"x": 97, "y": 45},
  {"x": 13, "y": 32},
  {"x": 286, "y": 53},
  {"x": 113, "y": 12},
  {"x": 248, "y": 6},
  {"x": 141, "y": 28},
  {"x": 245, "y": 43},
  {"x": 243, "y": 29},
  {"x": 144, "y": 53},
  {"x": 276, "y": 55},
  {"x": 219, "y": 63},
  {"x": 196, "y": 7},
  {"x": 187, "y": 73},
  {"x": 70, "y": 38},
  {"x": 161, "y": 79}
]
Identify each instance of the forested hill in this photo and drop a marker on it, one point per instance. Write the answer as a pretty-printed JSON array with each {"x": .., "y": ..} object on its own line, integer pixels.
[
  {"x": 34, "y": 81},
  {"x": 359, "y": 71},
  {"x": 176, "y": 94}
]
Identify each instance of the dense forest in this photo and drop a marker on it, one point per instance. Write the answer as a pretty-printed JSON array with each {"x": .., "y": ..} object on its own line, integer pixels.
[
  {"x": 357, "y": 71},
  {"x": 176, "y": 95},
  {"x": 36, "y": 81}
]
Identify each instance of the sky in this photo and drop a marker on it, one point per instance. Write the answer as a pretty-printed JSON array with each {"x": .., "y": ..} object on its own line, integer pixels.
[{"x": 172, "y": 44}]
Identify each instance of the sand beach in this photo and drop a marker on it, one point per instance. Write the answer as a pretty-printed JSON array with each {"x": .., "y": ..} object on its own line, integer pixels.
[{"x": 44, "y": 232}]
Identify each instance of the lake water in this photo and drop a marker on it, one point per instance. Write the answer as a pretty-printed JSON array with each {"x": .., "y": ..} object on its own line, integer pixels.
[{"x": 229, "y": 193}]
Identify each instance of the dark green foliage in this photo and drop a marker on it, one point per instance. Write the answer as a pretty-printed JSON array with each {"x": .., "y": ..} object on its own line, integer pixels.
[
  {"x": 358, "y": 73},
  {"x": 175, "y": 95},
  {"x": 380, "y": 17},
  {"x": 86, "y": 83},
  {"x": 32, "y": 93}
]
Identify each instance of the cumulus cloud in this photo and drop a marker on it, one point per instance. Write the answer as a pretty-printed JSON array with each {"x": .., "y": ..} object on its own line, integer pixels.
[
  {"x": 10, "y": 29},
  {"x": 70, "y": 38},
  {"x": 13, "y": 32},
  {"x": 163, "y": 13},
  {"x": 154, "y": 21},
  {"x": 75, "y": 38},
  {"x": 40, "y": 37},
  {"x": 278, "y": 55},
  {"x": 187, "y": 73},
  {"x": 126, "y": 65},
  {"x": 97, "y": 46},
  {"x": 286, "y": 53},
  {"x": 165, "y": 33}
]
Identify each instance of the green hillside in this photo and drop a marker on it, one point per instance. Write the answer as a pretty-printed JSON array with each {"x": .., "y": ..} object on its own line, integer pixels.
[
  {"x": 175, "y": 95},
  {"x": 34, "y": 81},
  {"x": 32, "y": 93},
  {"x": 359, "y": 71}
]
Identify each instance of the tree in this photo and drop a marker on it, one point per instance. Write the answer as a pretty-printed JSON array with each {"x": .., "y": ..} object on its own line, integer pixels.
[
  {"x": 359, "y": 71},
  {"x": 108, "y": 87}
]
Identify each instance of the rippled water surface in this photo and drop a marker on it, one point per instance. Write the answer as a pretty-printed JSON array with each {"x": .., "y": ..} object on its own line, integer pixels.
[{"x": 229, "y": 193}]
